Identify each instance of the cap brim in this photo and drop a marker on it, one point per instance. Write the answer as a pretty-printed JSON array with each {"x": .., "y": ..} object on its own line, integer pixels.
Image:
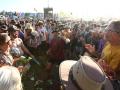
[
  {"x": 64, "y": 70},
  {"x": 4, "y": 28}
]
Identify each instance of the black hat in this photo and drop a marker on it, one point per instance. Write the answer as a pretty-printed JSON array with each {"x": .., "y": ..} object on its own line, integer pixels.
[
  {"x": 18, "y": 26},
  {"x": 13, "y": 28},
  {"x": 4, "y": 27}
]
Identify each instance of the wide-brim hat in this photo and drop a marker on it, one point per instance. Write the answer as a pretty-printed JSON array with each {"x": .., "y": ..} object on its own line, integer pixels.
[
  {"x": 13, "y": 28},
  {"x": 84, "y": 74},
  {"x": 4, "y": 27},
  {"x": 28, "y": 27},
  {"x": 2, "y": 18},
  {"x": 40, "y": 23}
]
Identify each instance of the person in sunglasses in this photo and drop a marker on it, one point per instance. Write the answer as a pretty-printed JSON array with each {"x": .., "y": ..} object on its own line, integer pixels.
[{"x": 110, "y": 57}]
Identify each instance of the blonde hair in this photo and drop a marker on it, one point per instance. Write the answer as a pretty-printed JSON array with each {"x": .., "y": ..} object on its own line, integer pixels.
[{"x": 10, "y": 78}]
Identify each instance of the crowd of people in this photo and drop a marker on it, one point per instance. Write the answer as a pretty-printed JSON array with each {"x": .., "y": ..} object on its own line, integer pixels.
[{"x": 94, "y": 47}]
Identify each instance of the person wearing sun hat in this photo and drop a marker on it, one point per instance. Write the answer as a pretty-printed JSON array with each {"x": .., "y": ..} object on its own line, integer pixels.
[
  {"x": 84, "y": 74},
  {"x": 41, "y": 29},
  {"x": 110, "y": 57},
  {"x": 32, "y": 38},
  {"x": 27, "y": 32},
  {"x": 17, "y": 42},
  {"x": 3, "y": 28}
]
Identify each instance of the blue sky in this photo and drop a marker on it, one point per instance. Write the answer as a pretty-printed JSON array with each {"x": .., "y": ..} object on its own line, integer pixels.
[
  {"x": 29, "y": 5},
  {"x": 78, "y": 8},
  {"x": 21, "y": 5}
]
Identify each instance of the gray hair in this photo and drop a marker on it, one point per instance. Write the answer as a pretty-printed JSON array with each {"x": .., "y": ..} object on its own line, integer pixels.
[{"x": 10, "y": 78}]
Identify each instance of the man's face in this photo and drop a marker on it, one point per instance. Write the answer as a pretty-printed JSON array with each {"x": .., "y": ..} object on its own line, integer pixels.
[
  {"x": 28, "y": 31},
  {"x": 40, "y": 26},
  {"x": 111, "y": 35},
  {"x": 15, "y": 34}
]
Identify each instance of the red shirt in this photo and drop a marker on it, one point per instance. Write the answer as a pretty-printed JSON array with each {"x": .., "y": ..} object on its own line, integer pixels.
[{"x": 57, "y": 49}]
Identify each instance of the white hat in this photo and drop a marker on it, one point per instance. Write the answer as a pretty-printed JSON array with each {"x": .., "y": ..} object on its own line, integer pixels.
[
  {"x": 10, "y": 78},
  {"x": 28, "y": 26},
  {"x": 84, "y": 74},
  {"x": 2, "y": 17}
]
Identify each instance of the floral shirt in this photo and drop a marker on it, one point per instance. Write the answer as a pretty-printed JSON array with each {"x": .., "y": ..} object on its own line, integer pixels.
[{"x": 6, "y": 59}]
